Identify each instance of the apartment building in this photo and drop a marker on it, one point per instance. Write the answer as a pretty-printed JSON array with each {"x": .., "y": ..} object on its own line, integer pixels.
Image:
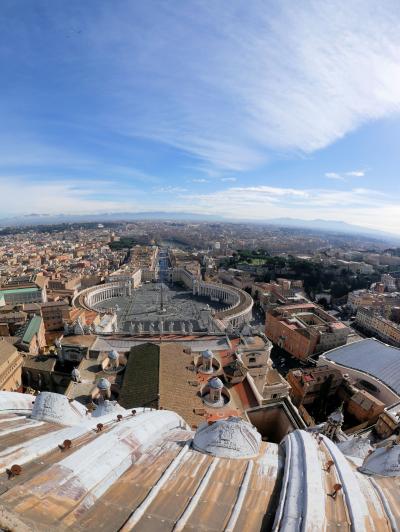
[
  {"x": 306, "y": 383},
  {"x": 304, "y": 329},
  {"x": 27, "y": 293},
  {"x": 375, "y": 324},
  {"x": 10, "y": 367}
]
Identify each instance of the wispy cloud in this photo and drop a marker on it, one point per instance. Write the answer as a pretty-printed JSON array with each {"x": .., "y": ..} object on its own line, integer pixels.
[
  {"x": 334, "y": 175},
  {"x": 356, "y": 173},
  {"x": 170, "y": 190},
  {"x": 150, "y": 90},
  {"x": 345, "y": 175},
  {"x": 295, "y": 78},
  {"x": 69, "y": 196}
]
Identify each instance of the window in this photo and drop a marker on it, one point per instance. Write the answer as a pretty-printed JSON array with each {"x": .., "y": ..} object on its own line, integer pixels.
[
  {"x": 252, "y": 360},
  {"x": 368, "y": 386}
]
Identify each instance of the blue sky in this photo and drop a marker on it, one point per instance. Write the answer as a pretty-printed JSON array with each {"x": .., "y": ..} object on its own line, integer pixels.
[{"x": 249, "y": 110}]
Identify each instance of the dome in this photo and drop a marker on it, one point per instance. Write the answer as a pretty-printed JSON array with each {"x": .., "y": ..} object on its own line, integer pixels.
[
  {"x": 216, "y": 383},
  {"x": 56, "y": 408},
  {"x": 113, "y": 355},
  {"x": 228, "y": 438},
  {"x": 207, "y": 354},
  {"x": 108, "y": 407},
  {"x": 384, "y": 461},
  {"x": 358, "y": 447},
  {"x": 75, "y": 372},
  {"x": 103, "y": 384}
]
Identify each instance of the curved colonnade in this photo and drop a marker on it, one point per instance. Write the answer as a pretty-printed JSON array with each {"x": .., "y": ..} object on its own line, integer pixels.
[
  {"x": 94, "y": 295},
  {"x": 239, "y": 303},
  {"x": 238, "y": 309}
]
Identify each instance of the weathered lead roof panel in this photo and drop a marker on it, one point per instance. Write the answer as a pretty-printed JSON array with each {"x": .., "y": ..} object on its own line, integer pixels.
[{"x": 371, "y": 356}]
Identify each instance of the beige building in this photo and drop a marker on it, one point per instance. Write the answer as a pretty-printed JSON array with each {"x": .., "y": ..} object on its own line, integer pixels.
[
  {"x": 10, "y": 367},
  {"x": 377, "y": 299},
  {"x": 382, "y": 328},
  {"x": 389, "y": 421}
]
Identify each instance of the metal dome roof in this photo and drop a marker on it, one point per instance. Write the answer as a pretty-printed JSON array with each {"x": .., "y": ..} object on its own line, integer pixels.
[
  {"x": 229, "y": 438},
  {"x": 216, "y": 383},
  {"x": 103, "y": 384},
  {"x": 113, "y": 355},
  {"x": 207, "y": 353}
]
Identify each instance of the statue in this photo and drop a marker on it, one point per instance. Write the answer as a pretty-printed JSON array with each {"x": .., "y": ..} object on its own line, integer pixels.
[
  {"x": 59, "y": 352},
  {"x": 190, "y": 327},
  {"x": 171, "y": 326},
  {"x": 75, "y": 375}
]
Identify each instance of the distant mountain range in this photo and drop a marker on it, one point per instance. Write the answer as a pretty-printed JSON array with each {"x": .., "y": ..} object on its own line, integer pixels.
[
  {"x": 333, "y": 225},
  {"x": 315, "y": 225}
]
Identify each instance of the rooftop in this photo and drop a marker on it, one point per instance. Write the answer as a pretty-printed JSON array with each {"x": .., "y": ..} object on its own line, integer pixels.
[
  {"x": 32, "y": 329},
  {"x": 39, "y": 362},
  {"x": 6, "y": 350},
  {"x": 143, "y": 473},
  {"x": 164, "y": 376},
  {"x": 370, "y": 356},
  {"x": 4, "y": 290}
]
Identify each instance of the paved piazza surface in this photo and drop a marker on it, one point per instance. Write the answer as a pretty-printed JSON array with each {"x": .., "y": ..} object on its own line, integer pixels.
[{"x": 145, "y": 307}]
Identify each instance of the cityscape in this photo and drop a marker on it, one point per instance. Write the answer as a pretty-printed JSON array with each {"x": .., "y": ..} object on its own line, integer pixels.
[
  {"x": 199, "y": 266},
  {"x": 250, "y": 348}
]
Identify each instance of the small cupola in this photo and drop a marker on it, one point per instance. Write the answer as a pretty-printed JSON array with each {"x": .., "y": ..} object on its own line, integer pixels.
[
  {"x": 113, "y": 357},
  {"x": 207, "y": 361},
  {"x": 104, "y": 388},
  {"x": 213, "y": 395}
]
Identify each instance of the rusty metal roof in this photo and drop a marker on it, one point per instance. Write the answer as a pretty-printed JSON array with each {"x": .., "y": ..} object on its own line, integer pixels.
[{"x": 140, "y": 472}]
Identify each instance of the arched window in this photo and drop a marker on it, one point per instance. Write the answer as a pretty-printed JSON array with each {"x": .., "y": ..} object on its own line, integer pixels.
[{"x": 368, "y": 386}]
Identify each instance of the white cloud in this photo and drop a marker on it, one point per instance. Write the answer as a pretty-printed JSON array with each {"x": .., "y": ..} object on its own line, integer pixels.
[
  {"x": 342, "y": 176},
  {"x": 170, "y": 189},
  {"x": 229, "y": 179},
  {"x": 356, "y": 173},
  {"x": 357, "y": 206},
  {"x": 235, "y": 84},
  {"x": 361, "y": 206},
  {"x": 334, "y": 175},
  {"x": 71, "y": 197},
  {"x": 200, "y": 180}
]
